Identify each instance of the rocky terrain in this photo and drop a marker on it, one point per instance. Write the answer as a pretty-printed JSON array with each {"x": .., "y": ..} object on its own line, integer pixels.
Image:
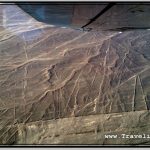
[{"x": 50, "y": 76}]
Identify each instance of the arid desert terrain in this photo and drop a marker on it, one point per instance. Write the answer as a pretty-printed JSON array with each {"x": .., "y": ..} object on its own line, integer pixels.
[{"x": 65, "y": 86}]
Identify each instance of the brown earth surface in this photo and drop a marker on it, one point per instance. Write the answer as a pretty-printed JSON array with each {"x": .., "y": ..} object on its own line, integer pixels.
[{"x": 50, "y": 73}]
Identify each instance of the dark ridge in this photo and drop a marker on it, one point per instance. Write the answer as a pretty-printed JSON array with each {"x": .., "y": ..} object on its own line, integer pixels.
[
  {"x": 99, "y": 14},
  {"x": 129, "y": 28}
]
